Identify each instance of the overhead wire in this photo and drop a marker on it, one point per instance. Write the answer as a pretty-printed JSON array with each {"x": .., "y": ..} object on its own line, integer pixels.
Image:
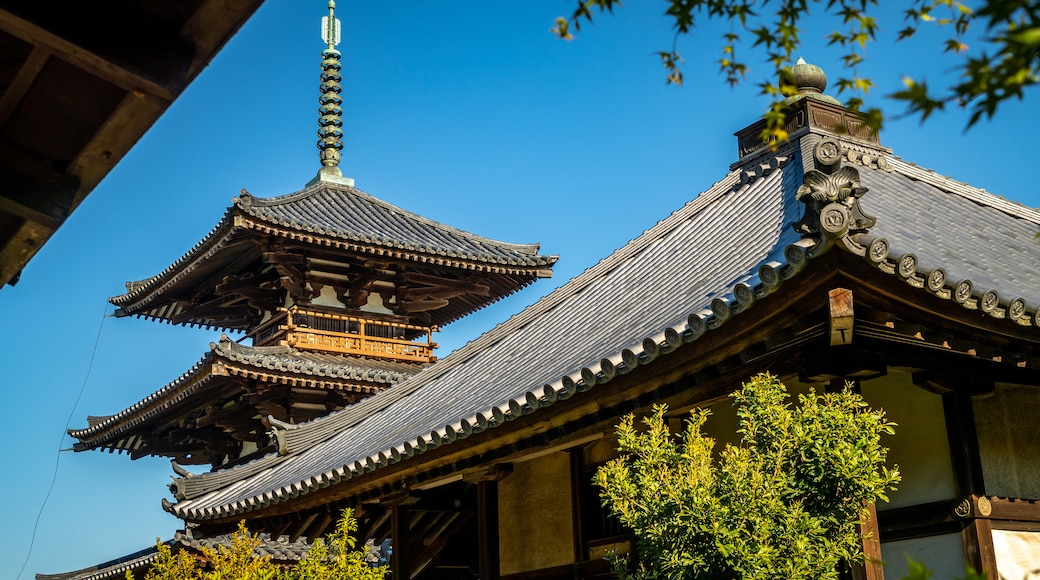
[{"x": 57, "y": 455}]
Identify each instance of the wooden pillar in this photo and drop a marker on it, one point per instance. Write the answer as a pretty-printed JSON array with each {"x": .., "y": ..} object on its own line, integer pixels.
[
  {"x": 487, "y": 529},
  {"x": 967, "y": 466},
  {"x": 964, "y": 443},
  {"x": 577, "y": 470},
  {"x": 978, "y": 547},
  {"x": 486, "y": 480},
  {"x": 400, "y": 518},
  {"x": 872, "y": 568},
  {"x": 962, "y": 435}
]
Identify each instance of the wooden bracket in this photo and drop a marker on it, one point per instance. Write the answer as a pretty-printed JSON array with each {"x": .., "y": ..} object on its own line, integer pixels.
[
  {"x": 842, "y": 316},
  {"x": 496, "y": 472}
]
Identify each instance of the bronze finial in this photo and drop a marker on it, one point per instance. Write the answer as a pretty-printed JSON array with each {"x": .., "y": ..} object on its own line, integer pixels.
[
  {"x": 330, "y": 132},
  {"x": 811, "y": 81}
]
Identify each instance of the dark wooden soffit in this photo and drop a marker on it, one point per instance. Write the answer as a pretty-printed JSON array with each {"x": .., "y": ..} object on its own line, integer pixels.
[{"x": 78, "y": 87}]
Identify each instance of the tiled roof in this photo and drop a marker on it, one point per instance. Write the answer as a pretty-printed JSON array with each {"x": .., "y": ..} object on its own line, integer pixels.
[
  {"x": 338, "y": 216},
  {"x": 345, "y": 212},
  {"x": 684, "y": 277},
  {"x": 269, "y": 362},
  {"x": 284, "y": 359},
  {"x": 113, "y": 569},
  {"x": 280, "y": 550}
]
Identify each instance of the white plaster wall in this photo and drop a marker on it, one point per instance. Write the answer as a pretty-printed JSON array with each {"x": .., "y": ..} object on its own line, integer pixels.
[
  {"x": 1009, "y": 440},
  {"x": 1018, "y": 554},
  {"x": 327, "y": 297},
  {"x": 535, "y": 515},
  {"x": 920, "y": 446},
  {"x": 944, "y": 556}
]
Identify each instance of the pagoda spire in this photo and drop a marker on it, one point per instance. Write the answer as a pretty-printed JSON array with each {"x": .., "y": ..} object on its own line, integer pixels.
[{"x": 330, "y": 132}]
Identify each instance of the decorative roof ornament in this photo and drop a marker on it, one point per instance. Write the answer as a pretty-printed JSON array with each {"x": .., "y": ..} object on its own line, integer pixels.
[
  {"x": 811, "y": 81},
  {"x": 831, "y": 196},
  {"x": 330, "y": 132}
]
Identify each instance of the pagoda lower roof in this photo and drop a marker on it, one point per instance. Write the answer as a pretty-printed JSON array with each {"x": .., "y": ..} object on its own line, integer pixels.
[
  {"x": 334, "y": 220},
  {"x": 229, "y": 360}
]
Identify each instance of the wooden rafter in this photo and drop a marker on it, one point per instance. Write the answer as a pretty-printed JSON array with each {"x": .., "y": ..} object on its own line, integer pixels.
[
  {"x": 28, "y": 72},
  {"x": 85, "y": 59}
]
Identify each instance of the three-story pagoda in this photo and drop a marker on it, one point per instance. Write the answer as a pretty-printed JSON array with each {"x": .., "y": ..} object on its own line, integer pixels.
[{"x": 338, "y": 292}]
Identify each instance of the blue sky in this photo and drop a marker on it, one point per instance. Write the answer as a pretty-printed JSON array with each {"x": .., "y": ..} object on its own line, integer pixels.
[{"x": 467, "y": 112}]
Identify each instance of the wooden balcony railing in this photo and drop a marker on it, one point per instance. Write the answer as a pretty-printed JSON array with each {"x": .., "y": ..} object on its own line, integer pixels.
[{"x": 354, "y": 333}]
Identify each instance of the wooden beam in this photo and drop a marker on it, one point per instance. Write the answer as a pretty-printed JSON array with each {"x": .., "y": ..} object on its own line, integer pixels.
[
  {"x": 439, "y": 281},
  {"x": 429, "y": 293},
  {"x": 946, "y": 381},
  {"x": 213, "y": 24},
  {"x": 27, "y": 213},
  {"x": 83, "y": 58},
  {"x": 1008, "y": 509},
  {"x": 14, "y": 92},
  {"x": 131, "y": 119},
  {"x": 422, "y": 305},
  {"x": 318, "y": 529},
  {"x": 22, "y": 246},
  {"x": 915, "y": 521},
  {"x": 300, "y": 529}
]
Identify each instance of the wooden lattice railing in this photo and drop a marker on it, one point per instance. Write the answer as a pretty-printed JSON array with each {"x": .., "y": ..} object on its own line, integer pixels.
[{"x": 353, "y": 333}]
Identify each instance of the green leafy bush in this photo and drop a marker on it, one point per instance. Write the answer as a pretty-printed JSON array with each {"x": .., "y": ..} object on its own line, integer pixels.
[
  {"x": 784, "y": 504},
  {"x": 335, "y": 557}
]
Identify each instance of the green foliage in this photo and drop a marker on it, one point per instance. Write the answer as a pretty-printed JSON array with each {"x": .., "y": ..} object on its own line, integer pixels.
[
  {"x": 771, "y": 28},
  {"x": 336, "y": 557},
  {"x": 333, "y": 557},
  {"x": 784, "y": 504}
]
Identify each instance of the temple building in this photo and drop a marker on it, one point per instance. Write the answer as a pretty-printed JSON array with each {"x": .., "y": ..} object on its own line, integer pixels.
[
  {"x": 823, "y": 259},
  {"x": 827, "y": 259}
]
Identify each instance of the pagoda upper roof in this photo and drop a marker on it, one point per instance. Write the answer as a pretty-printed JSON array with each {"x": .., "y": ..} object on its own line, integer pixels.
[
  {"x": 332, "y": 217},
  {"x": 669, "y": 290},
  {"x": 227, "y": 360}
]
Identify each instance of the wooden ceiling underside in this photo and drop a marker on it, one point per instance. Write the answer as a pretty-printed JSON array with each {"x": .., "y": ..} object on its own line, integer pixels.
[{"x": 79, "y": 85}]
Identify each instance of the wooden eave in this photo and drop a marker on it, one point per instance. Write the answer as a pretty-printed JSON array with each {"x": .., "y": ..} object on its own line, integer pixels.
[
  {"x": 198, "y": 288},
  {"x": 81, "y": 92},
  {"x": 214, "y": 383}
]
